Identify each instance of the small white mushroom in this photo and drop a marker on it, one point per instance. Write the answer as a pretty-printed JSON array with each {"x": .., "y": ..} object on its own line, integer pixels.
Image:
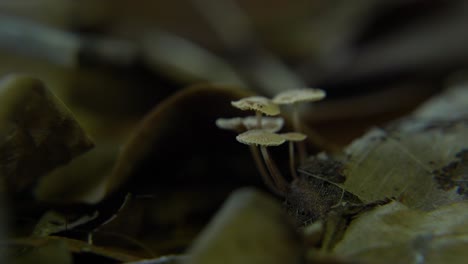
[
  {"x": 259, "y": 104},
  {"x": 237, "y": 124},
  {"x": 292, "y": 137},
  {"x": 272, "y": 124},
  {"x": 293, "y": 98},
  {"x": 299, "y": 95},
  {"x": 264, "y": 139},
  {"x": 234, "y": 124}
]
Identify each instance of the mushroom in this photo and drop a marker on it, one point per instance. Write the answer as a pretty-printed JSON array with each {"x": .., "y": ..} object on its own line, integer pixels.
[
  {"x": 234, "y": 124},
  {"x": 263, "y": 139},
  {"x": 293, "y": 137},
  {"x": 259, "y": 104},
  {"x": 240, "y": 125},
  {"x": 293, "y": 97},
  {"x": 272, "y": 124}
]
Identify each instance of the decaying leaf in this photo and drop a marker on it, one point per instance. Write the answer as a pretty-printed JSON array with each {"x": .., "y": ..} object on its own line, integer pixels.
[
  {"x": 172, "y": 132},
  {"x": 404, "y": 164},
  {"x": 421, "y": 160},
  {"x": 229, "y": 237},
  {"x": 451, "y": 105},
  {"x": 318, "y": 190},
  {"x": 53, "y": 222},
  {"x": 81, "y": 180},
  {"x": 37, "y": 132},
  {"x": 3, "y": 228},
  {"x": 49, "y": 252},
  {"x": 160, "y": 224},
  {"x": 180, "y": 168},
  {"x": 76, "y": 247},
  {"x": 162, "y": 260},
  {"x": 394, "y": 233}
]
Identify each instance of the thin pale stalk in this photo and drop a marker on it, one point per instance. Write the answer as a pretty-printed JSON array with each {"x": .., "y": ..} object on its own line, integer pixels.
[
  {"x": 274, "y": 171},
  {"x": 292, "y": 162},
  {"x": 259, "y": 119},
  {"x": 301, "y": 148},
  {"x": 263, "y": 171}
]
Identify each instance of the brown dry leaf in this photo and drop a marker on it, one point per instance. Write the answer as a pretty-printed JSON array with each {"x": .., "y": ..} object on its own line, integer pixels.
[
  {"x": 162, "y": 260},
  {"x": 176, "y": 129},
  {"x": 394, "y": 233},
  {"x": 160, "y": 224},
  {"x": 76, "y": 247},
  {"x": 80, "y": 181},
  {"x": 53, "y": 222},
  {"x": 179, "y": 167},
  {"x": 37, "y": 131},
  {"x": 48, "y": 252}
]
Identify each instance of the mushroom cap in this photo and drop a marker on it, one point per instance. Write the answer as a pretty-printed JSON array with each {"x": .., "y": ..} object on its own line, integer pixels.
[
  {"x": 299, "y": 95},
  {"x": 260, "y": 137},
  {"x": 234, "y": 123},
  {"x": 239, "y": 124},
  {"x": 257, "y": 103},
  {"x": 293, "y": 136},
  {"x": 272, "y": 124}
]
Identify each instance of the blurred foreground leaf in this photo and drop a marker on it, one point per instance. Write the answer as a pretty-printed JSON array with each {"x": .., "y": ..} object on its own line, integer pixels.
[{"x": 250, "y": 228}]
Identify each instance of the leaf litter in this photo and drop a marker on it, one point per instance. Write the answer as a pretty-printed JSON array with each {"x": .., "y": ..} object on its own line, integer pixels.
[
  {"x": 419, "y": 164},
  {"x": 401, "y": 186}
]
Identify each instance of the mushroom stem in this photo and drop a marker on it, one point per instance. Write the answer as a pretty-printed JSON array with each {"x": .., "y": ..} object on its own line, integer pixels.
[
  {"x": 258, "y": 114},
  {"x": 292, "y": 163},
  {"x": 278, "y": 178},
  {"x": 263, "y": 171},
  {"x": 301, "y": 148}
]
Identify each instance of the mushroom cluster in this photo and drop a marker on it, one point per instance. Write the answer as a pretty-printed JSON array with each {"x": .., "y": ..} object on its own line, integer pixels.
[{"x": 260, "y": 132}]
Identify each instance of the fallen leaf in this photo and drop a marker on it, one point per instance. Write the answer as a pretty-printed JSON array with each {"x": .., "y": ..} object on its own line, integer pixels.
[
  {"x": 172, "y": 132},
  {"x": 395, "y": 233},
  {"x": 49, "y": 252},
  {"x": 80, "y": 181},
  {"x": 229, "y": 237},
  {"x": 74, "y": 246},
  {"x": 37, "y": 131}
]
